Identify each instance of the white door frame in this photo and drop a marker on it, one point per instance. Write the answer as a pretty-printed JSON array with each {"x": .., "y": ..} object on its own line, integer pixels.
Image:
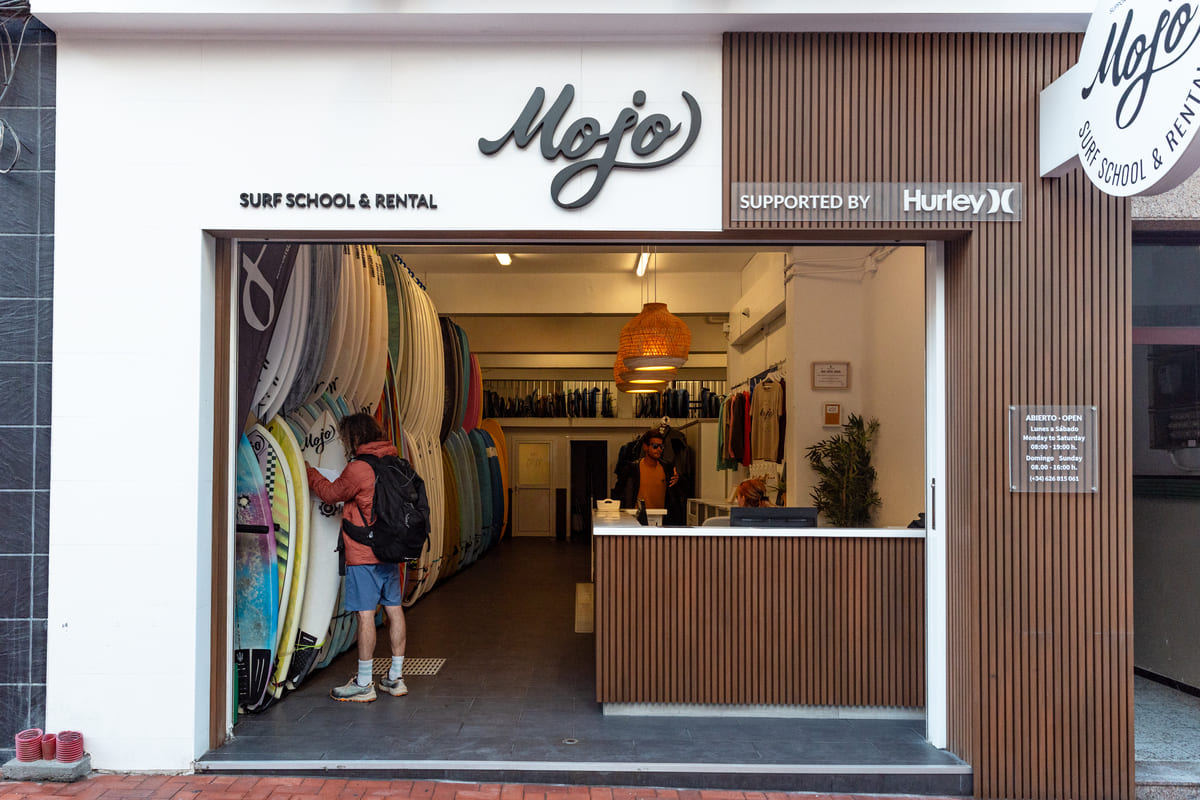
[{"x": 936, "y": 579}]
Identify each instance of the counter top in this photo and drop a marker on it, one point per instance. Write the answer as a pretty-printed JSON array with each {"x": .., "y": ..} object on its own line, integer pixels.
[{"x": 625, "y": 525}]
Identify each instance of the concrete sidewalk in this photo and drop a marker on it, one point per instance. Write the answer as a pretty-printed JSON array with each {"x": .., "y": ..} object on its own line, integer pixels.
[{"x": 228, "y": 787}]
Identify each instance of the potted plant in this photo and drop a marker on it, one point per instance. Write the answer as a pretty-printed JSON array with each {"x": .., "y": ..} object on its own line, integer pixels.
[{"x": 845, "y": 490}]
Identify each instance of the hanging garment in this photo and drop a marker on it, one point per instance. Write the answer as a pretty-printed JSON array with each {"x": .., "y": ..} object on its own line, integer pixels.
[{"x": 766, "y": 411}]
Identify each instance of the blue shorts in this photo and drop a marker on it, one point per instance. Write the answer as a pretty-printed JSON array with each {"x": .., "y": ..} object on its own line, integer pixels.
[{"x": 371, "y": 585}]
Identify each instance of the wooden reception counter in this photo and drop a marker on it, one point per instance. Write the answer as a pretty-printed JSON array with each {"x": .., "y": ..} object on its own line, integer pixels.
[{"x": 759, "y": 616}]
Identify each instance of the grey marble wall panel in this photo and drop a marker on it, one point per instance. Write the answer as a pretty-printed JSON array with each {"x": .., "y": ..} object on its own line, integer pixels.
[
  {"x": 14, "y": 586},
  {"x": 16, "y": 458},
  {"x": 41, "y": 458},
  {"x": 19, "y": 202},
  {"x": 37, "y": 661},
  {"x": 39, "y": 584},
  {"x": 45, "y": 202},
  {"x": 42, "y": 373},
  {"x": 47, "y": 129},
  {"x": 24, "y": 139},
  {"x": 16, "y": 516},
  {"x": 26, "y": 315},
  {"x": 41, "y": 520},
  {"x": 17, "y": 332},
  {"x": 45, "y": 329},
  {"x": 14, "y": 705},
  {"x": 17, "y": 393},
  {"x": 45, "y": 266},
  {"x": 18, "y": 265},
  {"x": 14, "y": 647}
]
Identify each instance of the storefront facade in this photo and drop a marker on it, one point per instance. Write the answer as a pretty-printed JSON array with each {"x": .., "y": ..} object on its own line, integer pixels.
[{"x": 1028, "y": 673}]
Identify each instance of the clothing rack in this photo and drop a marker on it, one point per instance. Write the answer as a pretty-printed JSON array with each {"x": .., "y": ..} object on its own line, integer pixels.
[{"x": 760, "y": 375}]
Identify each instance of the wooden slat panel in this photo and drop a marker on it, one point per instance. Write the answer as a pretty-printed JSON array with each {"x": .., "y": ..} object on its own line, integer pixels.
[
  {"x": 1038, "y": 312},
  {"x": 737, "y": 619},
  {"x": 218, "y": 655}
]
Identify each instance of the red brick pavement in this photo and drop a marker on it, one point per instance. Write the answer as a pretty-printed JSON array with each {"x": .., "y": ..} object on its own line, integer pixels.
[{"x": 228, "y": 787}]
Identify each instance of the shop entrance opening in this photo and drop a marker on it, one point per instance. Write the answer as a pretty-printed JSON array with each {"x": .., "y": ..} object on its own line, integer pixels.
[{"x": 843, "y": 326}]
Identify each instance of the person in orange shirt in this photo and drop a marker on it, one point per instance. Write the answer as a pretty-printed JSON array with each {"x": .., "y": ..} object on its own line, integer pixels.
[{"x": 648, "y": 478}]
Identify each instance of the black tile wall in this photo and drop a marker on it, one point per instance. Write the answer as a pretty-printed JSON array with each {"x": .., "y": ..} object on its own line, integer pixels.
[{"x": 27, "y": 109}]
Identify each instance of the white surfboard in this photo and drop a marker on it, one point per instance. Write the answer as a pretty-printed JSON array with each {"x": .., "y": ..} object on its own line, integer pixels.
[
  {"x": 293, "y": 350},
  {"x": 321, "y": 447}
]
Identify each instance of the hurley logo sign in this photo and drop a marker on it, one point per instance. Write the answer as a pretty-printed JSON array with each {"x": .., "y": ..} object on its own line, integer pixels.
[
  {"x": 1127, "y": 113},
  {"x": 587, "y": 137},
  {"x": 987, "y": 202}
]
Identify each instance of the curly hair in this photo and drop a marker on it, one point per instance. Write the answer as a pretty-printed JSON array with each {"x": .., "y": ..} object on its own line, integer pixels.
[{"x": 358, "y": 429}]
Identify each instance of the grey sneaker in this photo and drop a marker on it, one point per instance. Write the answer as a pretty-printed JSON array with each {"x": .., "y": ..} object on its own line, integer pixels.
[
  {"x": 396, "y": 688},
  {"x": 353, "y": 693}
]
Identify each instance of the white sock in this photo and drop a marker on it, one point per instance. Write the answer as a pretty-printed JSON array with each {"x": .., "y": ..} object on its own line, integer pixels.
[
  {"x": 364, "y": 672},
  {"x": 397, "y": 668}
]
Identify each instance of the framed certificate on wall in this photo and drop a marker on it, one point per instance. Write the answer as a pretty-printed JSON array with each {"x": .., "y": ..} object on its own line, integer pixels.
[{"x": 831, "y": 375}]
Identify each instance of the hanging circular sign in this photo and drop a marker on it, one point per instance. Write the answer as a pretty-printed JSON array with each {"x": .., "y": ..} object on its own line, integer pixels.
[{"x": 1139, "y": 70}]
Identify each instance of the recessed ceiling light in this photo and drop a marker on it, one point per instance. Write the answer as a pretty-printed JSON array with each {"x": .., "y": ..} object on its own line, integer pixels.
[{"x": 505, "y": 259}]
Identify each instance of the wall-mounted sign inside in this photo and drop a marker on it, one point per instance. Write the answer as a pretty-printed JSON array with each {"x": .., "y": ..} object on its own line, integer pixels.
[
  {"x": 1052, "y": 449},
  {"x": 1127, "y": 111},
  {"x": 330, "y": 200},
  {"x": 831, "y": 375},
  {"x": 876, "y": 202},
  {"x": 582, "y": 137}
]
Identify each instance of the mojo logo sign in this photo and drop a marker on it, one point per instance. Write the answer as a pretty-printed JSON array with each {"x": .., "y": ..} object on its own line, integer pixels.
[
  {"x": 1127, "y": 112},
  {"x": 587, "y": 137}
]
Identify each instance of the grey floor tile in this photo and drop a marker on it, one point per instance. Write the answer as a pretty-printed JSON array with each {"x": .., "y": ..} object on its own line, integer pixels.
[{"x": 519, "y": 684}]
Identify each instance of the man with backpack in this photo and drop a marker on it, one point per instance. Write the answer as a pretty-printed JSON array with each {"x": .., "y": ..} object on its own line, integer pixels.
[{"x": 371, "y": 581}]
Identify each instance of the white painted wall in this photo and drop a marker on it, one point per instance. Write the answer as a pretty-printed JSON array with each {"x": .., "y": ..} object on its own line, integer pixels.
[
  {"x": 156, "y": 139},
  {"x": 877, "y": 324},
  {"x": 764, "y": 341}
]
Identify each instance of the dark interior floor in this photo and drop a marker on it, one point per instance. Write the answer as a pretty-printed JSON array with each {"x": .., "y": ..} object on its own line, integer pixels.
[{"x": 515, "y": 700}]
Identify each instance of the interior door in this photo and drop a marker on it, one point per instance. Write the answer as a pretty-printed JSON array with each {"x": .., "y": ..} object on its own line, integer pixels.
[{"x": 532, "y": 506}]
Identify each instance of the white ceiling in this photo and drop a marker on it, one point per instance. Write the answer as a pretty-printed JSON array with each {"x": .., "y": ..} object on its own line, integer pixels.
[{"x": 455, "y": 259}]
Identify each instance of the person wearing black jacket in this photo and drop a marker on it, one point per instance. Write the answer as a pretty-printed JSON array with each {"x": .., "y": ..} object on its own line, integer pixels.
[{"x": 649, "y": 478}]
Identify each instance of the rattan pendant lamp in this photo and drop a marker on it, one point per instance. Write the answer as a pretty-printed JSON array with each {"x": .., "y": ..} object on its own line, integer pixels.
[
  {"x": 655, "y": 340},
  {"x": 639, "y": 383}
]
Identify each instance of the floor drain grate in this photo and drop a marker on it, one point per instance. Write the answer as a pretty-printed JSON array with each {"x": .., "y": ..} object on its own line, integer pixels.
[{"x": 412, "y": 666}]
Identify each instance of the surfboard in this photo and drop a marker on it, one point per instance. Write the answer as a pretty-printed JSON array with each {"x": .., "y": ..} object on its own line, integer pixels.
[
  {"x": 492, "y": 426},
  {"x": 322, "y": 296},
  {"x": 321, "y": 447},
  {"x": 256, "y": 579},
  {"x": 474, "y": 394},
  {"x": 464, "y": 378},
  {"x": 483, "y": 472},
  {"x": 452, "y": 555},
  {"x": 297, "y": 553},
  {"x": 355, "y": 346},
  {"x": 339, "y": 323},
  {"x": 298, "y": 331},
  {"x": 450, "y": 392},
  {"x": 362, "y": 322},
  {"x": 278, "y": 482},
  {"x": 280, "y": 492},
  {"x": 375, "y": 361},
  {"x": 274, "y": 363}
]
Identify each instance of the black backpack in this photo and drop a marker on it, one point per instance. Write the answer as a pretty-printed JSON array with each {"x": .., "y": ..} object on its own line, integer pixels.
[{"x": 401, "y": 510}]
